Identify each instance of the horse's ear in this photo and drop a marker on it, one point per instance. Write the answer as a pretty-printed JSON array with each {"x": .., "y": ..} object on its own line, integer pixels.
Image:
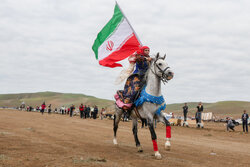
[
  {"x": 164, "y": 56},
  {"x": 157, "y": 55}
]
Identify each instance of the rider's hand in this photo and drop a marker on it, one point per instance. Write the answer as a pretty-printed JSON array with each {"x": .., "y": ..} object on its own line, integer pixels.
[{"x": 149, "y": 59}]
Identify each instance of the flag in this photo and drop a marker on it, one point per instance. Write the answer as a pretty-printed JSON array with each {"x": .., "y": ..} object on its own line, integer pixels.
[{"x": 116, "y": 41}]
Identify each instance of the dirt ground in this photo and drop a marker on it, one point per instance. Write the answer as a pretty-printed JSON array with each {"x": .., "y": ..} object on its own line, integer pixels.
[{"x": 29, "y": 139}]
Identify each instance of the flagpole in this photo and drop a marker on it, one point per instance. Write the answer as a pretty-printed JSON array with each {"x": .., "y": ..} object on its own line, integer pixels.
[{"x": 129, "y": 23}]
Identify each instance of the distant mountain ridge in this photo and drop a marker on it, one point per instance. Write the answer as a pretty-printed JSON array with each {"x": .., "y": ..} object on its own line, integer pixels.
[
  {"x": 66, "y": 99},
  {"x": 54, "y": 98}
]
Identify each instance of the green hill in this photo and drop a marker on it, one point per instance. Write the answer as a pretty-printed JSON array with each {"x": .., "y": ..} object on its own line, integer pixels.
[
  {"x": 233, "y": 108},
  {"x": 229, "y": 108},
  {"x": 54, "y": 98}
]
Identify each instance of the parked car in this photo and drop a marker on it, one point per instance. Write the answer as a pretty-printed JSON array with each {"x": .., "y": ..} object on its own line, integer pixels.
[
  {"x": 223, "y": 120},
  {"x": 239, "y": 121}
]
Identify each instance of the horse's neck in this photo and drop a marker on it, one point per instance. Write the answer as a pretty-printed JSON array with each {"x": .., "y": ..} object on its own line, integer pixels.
[{"x": 153, "y": 84}]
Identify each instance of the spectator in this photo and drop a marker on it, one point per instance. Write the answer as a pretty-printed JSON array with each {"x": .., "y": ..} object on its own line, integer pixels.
[
  {"x": 62, "y": 110},
  {"x": 103, "y": 113},
  {"x": 43, "y": 106},
  {"x": 88, "y": 111},
  {"x": 185, "y": 111},
  {"x": 245, "y": 121},
  {"x": 95, "y": 112},
  {"x": 198, "y": 114},
  {"x": 72, "y": 108},
  {"x": 230, "y": 124},
  {"x": 81, "y": 109},
  {"x": 85, "y": 111},
  {"x": 49, "y": 109},
  {"x": 125, "y": 116},
  {"x": 91, "y": 112},
  {"x": 68, "y": 110}
]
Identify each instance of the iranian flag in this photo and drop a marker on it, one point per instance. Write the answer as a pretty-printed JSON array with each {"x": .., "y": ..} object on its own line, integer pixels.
[{"x": 116, "y": 41}]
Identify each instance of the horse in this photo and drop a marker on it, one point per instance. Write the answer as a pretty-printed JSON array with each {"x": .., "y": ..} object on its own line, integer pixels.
[{"x": 149, "y": 104}]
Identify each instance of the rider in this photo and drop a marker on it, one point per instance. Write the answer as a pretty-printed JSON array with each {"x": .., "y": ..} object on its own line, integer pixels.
[{"x": 141, "y": 59}]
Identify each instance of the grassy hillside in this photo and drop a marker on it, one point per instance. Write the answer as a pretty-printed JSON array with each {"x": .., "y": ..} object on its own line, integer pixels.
[
  {"x": 227, "y": 108},
  {"x": 56, "y": 99}
]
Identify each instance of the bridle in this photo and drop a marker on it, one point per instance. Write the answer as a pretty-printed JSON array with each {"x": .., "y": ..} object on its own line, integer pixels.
[{"x": 163, "y": 76}]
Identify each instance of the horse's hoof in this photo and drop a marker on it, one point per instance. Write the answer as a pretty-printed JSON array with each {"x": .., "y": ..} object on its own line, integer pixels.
[
  {"x": 157, "y": 155},
  {"x": 139, "y": 149},
  {"x": 115, "y": 142},
  {"x": 167, "y": 145}
]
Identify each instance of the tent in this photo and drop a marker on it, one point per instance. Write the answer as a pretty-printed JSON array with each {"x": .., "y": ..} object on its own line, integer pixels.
[{"x": 207, "y": 116}]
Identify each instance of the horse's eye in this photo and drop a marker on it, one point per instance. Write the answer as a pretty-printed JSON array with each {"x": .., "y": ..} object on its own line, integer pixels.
[{"x": 159, "y": 64}]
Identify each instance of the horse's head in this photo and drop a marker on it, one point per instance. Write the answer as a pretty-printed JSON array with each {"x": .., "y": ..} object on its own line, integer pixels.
[{"x": 161, "y": 69}]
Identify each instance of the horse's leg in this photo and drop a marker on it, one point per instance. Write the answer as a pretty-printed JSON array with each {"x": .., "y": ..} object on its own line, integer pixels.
[
  {"x": 117, "y": 117},
  {"x": 168, "y": 131},
  {"x": 153, "y": 136},
  {"x": 135, "y": 130}
]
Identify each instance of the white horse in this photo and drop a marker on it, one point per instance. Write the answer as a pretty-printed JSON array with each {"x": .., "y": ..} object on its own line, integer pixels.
[{"x": 150, "y": 104}]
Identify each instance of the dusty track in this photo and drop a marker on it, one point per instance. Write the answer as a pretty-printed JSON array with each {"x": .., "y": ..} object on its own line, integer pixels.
[{"x": 34, "y": 140}]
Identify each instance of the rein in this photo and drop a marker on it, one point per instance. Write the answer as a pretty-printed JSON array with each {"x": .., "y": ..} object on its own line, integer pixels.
[{"x": 163, "y": 77}]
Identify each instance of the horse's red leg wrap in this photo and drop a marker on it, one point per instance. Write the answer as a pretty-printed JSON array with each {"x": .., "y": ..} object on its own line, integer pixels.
[
  {"x": 168, "y": 131},
  {"x": 155, "y": 145}
]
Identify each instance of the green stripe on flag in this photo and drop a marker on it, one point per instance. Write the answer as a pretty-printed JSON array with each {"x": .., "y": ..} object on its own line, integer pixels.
[{"x": 107, "y": 29}]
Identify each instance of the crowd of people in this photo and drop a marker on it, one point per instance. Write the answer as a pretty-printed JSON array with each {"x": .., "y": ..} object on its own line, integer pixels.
[
  {"x": 231, "y": 123},
  {"x": 87, "y": 111},
  {"x": 84, "y": 111}
]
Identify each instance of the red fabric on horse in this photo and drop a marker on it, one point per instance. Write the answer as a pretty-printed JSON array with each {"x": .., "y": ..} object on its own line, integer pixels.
[
  {"x": 155, "y": 145},
  {"x": 168, "y": 131}
]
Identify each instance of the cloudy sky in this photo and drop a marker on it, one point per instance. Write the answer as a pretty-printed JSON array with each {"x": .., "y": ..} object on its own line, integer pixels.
[{"x": 45, "y": 45}]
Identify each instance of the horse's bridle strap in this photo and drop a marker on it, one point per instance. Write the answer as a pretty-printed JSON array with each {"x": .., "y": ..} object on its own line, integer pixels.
[{"x": 162, "y": 71}]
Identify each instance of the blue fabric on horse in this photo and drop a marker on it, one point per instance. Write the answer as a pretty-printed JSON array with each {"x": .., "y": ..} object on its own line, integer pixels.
[{"x": 145, "y": 97}]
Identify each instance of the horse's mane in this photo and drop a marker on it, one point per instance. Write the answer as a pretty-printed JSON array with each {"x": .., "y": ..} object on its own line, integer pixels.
[{"x": 146, "y": 73}]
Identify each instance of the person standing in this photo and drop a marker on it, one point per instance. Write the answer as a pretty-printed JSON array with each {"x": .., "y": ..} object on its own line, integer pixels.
[
  {"x": 68, "y": 110},
  {"x": 185, "y": 111},
  {"x": 43, "y": 106},
  {"x": 49, "y": 109},
  {"x": 72, "y": 108},
  {"x": 245, "y": 121},
  {"x": 62, "y": 110},
  {"x": 102, "y": 113},
  {"x": 85, "y": 111},
  {"x": 198, "y": 114},
  {"x": 95, "y": 112},
  {"x": 88, "y": 111},
  {"x": 91, "y": 112},
  {"x": 81, "y": 109}
]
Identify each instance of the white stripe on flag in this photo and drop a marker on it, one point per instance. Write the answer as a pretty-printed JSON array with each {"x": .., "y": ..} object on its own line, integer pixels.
[{"x": 121, "y": 34}]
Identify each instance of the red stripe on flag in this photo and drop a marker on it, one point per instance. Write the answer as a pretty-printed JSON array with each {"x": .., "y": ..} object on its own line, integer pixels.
[{"x": 129, "y": 47}]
